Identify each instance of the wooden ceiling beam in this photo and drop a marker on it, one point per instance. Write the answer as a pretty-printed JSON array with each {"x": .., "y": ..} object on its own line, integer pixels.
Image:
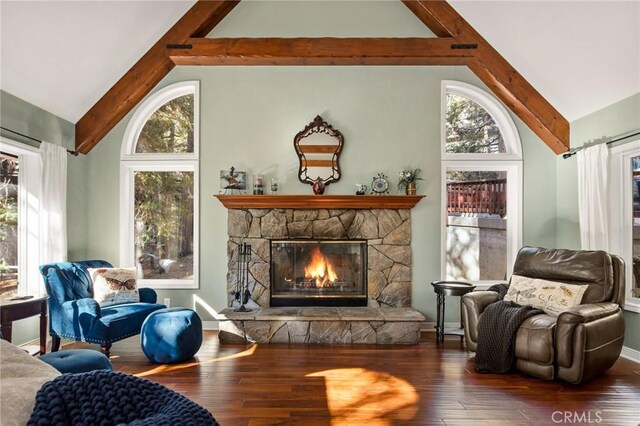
[
  {"x": 321, "y": 51},
  {"x": 496, "y": 72},
  {"x": 146, "y": 73}
]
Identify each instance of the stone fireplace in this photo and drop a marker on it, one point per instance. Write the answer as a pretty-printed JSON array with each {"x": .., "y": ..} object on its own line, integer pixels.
[
  {"x": 318, "y": 273},
  {"x": 386, "y": 234},
  {"x": 365, "y": 239}
]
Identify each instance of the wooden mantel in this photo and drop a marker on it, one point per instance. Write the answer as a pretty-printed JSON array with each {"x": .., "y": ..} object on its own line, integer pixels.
[{"x": 311, "y": 202}]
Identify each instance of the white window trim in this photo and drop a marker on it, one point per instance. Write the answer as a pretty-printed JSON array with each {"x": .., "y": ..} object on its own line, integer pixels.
[
  {"x": 132, "y": 162},
  {"x": 621, "y": 202},
  {"x": 29, "y": 178},
  {"x": 514, "y": 209},
  {"x": 497, "y": 111},
  {"x": 511, "y": 162},
  {"x": 151, "y": 105}
]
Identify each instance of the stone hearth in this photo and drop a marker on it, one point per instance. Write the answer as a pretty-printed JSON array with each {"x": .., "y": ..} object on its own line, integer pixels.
[
  {"x": 321, "y": 325},
  {"x": 387, "y": 232}
]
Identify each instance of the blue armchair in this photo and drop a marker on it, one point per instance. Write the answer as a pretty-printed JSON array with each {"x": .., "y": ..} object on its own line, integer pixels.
[{"x": 74, "y": 314}]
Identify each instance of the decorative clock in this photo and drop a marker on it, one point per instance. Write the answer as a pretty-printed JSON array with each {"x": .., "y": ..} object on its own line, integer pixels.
[{"x": 380, "y": 184}]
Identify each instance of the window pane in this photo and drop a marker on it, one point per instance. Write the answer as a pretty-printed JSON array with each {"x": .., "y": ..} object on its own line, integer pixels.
[
  {"x": 476, "y": 225},
  {"x": 470, "y": 128},
  {"x": 8, "y": 225},
  {"x": 164, "y": 224},
  {"x": 169, "y": 129},
  {"x": 635, "y": 184}
]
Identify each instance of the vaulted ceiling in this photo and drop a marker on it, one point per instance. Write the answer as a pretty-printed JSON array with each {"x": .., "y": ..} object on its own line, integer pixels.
[{"x": 63, "y": 56}]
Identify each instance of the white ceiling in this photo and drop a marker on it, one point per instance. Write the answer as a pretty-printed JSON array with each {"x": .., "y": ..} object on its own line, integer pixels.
[{"x": 63, "y": 56}]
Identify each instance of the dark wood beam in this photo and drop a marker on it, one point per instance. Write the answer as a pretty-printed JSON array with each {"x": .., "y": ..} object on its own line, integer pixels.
[
  {"x": 146, "y": 73},
  {"x": 321, "y": 51},
  {"x": 496, "y": 72}
]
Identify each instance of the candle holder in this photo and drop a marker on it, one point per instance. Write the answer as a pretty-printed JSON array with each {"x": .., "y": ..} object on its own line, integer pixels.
[{"x": 258, "y": 184}]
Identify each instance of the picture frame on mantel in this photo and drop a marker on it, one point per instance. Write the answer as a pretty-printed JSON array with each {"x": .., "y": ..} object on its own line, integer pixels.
[{"x": 233, "y": 179}]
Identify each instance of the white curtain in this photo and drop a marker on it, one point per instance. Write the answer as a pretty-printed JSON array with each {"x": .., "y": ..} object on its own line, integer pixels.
[
  {"x": 593, "y": 197},
  {"x": 53, "y": 203}
]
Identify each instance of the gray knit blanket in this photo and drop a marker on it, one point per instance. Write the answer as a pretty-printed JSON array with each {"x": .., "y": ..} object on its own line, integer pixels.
[
  {"x": 106, "y": 398},
  {"x": 497, "y": 328}
]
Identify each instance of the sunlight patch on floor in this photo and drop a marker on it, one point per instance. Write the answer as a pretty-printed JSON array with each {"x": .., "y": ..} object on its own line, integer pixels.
[
  {"x": 361, "y": 395},
  {"x": 174, "y": 367}
]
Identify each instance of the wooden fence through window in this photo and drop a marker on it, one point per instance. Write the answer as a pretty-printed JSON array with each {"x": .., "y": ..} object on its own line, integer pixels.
[{"x": 478, "y": 197}]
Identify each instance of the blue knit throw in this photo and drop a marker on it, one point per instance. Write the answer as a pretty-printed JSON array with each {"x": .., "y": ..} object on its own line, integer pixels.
[{"x": 103, "y": 397}]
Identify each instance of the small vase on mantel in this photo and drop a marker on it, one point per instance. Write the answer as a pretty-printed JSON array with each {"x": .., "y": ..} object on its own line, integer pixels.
[
  {"x": 318, "y": 186},
  {"x": 411, "y": 188}
]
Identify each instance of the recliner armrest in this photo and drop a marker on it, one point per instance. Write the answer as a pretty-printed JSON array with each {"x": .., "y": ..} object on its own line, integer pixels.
[
  {"x": 86, "y": 305},
  {"x": 472, "y": 306},
  {"x": 570, "y": 319},
  {"x": 587, "y": 312},
  {"x": 479, "y": 300},
  {"x": 148, "y": 295}
]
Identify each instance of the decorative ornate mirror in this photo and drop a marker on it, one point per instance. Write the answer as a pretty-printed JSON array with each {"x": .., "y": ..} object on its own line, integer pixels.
[{"x": 318, "y": 147}]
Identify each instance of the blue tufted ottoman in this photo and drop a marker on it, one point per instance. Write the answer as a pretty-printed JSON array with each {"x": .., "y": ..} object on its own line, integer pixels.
[
  {"x": 171, "y": 335},
  {"x": 77, "y": 361}
]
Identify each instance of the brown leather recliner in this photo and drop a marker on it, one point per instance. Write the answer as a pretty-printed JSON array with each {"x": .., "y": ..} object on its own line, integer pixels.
[{"x": 582, "y": 341}]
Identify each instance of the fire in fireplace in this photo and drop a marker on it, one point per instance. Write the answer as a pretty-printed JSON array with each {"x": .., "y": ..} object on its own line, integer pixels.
[{"x": 318, "y": 273}]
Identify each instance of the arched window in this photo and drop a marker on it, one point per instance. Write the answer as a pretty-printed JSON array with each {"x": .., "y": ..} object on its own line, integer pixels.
[
  {"x": 159, "y": 188},
  {"x": 481, "y": 186}
]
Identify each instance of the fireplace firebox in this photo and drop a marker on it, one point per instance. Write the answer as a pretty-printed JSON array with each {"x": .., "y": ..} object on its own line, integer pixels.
[{"x": 318, "y": 273}]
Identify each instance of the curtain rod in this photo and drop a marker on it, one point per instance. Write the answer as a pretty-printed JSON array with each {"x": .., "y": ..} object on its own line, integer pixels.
[
  {"x": 574, "y": 151},
  {"x": 74, "y": 153}
]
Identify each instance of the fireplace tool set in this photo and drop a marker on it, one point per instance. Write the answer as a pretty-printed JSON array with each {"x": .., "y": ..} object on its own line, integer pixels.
[{"x": 242, "y": 293}]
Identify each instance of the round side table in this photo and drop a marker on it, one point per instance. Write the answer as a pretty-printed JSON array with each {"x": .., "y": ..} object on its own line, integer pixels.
[{"x": 449, "y": 288}]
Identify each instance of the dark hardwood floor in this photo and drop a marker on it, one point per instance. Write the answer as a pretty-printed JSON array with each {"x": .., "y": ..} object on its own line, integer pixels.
[{"x": 378, "y": 385}]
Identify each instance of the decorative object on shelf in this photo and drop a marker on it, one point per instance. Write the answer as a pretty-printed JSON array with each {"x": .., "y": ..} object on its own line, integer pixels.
[
  {"x": 258, "y": 184},
  {"x": 380, "y": 184},
  {"x": 318, "y": 186},
  {"x": 274, "y": 186},
  {"x": 361, "y": 189},
  {"x": 318, "y": 147},
  {"x": 233, "y": 180},
  {"x": 408, "y": 178},
  {"x": 242, "y": 294}
]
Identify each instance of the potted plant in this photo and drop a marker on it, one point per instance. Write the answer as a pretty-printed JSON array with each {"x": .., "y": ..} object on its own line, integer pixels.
[{"x": 408, "y": 178}]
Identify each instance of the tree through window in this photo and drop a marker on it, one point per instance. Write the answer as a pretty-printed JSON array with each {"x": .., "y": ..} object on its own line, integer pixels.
[
  {"x": 160, "y": 185},
  {"x": 9, "y": 188}
]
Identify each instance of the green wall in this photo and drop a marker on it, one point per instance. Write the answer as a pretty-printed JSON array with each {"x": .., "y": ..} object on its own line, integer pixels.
[
  {"x": 390, "y": 117},
  {"x": 30, "y": 120},
  {"x": 616, "y": 119}
]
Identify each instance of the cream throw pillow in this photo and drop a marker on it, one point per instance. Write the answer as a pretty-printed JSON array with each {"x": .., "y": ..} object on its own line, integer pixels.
[
  {"x": 114, "y": 286},
  {"x": 552, "y": 297}
]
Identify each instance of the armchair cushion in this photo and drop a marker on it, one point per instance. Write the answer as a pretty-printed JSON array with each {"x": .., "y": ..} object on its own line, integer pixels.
[
  {"x": 591, "y": 268},
  {"x": 535, "y": 339},
  {"x": 121, "y": 321}
]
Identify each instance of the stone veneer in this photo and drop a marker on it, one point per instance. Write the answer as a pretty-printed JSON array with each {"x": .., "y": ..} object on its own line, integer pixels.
[
  {"x": 321, "y": 325},
  {"x": 387, "y": 231}
]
